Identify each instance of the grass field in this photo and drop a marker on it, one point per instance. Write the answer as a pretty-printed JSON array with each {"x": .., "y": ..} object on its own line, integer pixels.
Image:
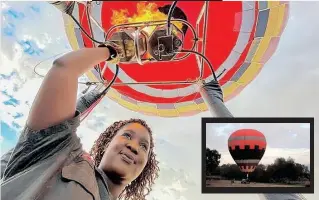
[{"x": 227, "y": 183}]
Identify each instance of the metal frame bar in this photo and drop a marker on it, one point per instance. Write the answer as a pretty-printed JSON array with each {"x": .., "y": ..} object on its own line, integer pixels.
[
  {"x": 155, "y": 23},
  {"x": 204, "y": 36},
  {"x": 91, "y": 18},
  {"x": 200, "y": 61}
]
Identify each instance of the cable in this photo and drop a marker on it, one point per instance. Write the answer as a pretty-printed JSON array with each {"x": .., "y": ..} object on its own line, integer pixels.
[
  {"x": 204, "y": 57},
  {"x": 89, "y": 83},
  {"x": 34, "y": 68},
  {"x": 170, "y": 14},
  {"x": 91, "y": 101},
  {"x": 90, "y": 109},
  {"x": 82, "y": 29},
  {"x": 97, "y": 67},
  {"x": 113, "y": 80},
  {"x": 221, "y": 73},
  {"x": 85, "y": 83}
]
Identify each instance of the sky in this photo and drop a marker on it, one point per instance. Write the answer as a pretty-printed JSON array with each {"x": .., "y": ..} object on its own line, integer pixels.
[
  {"x": 286, "y": 87},
  {"x": 283, "y": 140}
]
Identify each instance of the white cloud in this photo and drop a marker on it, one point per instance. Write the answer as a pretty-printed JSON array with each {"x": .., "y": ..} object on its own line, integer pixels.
[
  {"x": 223, "y": 129},
  {"x": 299, "y": 155}
]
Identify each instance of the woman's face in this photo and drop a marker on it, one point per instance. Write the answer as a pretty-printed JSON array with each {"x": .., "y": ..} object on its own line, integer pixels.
[{"x": 127, "y": 153}]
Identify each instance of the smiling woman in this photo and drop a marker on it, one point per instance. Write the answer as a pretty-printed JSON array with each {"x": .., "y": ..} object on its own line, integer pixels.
[
  {"x": 48, "y": 160},
  {"x": 124, "y": 151}
]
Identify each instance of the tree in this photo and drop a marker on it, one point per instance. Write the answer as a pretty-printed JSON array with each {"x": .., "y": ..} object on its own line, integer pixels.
[
  {"x": 281, "y": 171},
  {"x": 258, "y": 174},
  {"x": 212, "y": 160}
]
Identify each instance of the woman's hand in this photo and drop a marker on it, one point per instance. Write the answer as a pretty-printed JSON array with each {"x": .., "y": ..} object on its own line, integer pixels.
[{"x": 116, "y": 52}]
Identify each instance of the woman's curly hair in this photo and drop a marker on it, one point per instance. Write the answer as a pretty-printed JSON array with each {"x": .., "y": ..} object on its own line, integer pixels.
[{"x": 141, "y": 186}]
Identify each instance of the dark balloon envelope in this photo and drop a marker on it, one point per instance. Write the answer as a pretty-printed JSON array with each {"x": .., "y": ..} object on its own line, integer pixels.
[{"x": 247, "y": 147}]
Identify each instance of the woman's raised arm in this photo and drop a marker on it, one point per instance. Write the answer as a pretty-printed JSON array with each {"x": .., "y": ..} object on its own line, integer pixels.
[{"x": 56, "y": 99}]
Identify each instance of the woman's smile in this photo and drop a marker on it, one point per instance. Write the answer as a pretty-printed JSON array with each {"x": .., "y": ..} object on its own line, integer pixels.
[{"x": 127, "y": 158}]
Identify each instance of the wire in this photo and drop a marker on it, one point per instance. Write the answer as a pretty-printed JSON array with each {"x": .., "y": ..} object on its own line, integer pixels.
[
  {"x": 34, "y": 68},
  {"x": 205, "y": 58},
  {"x": 113, "y": 80},
  {"x": 221, "y": 73},
  {"x": 97, "y": 67},
  {"x": 100, "y": 96},
  {"x": 85, "y": 83},
  {"x": 82, "y": 29},
  {"x": 90, "y": 109},
  {"x": 170, "y": 14},
  {"x": 42, "y": 76}
]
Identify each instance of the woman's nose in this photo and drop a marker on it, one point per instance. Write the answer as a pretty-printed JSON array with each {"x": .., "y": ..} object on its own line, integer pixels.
[{"x": 133, "y": 146}]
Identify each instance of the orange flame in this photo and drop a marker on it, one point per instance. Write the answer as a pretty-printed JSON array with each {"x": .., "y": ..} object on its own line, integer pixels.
[{"x": 145, "y": 12}]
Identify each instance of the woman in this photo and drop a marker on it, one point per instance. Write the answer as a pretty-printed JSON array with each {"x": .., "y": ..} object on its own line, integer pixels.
[{"x": 48, "y": 161}]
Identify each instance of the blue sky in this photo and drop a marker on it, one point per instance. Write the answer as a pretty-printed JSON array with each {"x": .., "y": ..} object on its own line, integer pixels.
[
  {"x": 13, "y": 19},
  {"x": 10, "y": 136},
  {"x": 286, "y": 87}
]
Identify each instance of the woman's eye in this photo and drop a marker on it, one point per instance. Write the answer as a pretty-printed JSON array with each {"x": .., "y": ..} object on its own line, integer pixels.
[
  {"x": 144, "y": 146},
  {"x": 127, "y": 135}
]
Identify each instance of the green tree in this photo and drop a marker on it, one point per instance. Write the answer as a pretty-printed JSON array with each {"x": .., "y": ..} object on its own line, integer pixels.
[
  {"x": 212, "y": 160},
  {"x": 281, "y": 171}
]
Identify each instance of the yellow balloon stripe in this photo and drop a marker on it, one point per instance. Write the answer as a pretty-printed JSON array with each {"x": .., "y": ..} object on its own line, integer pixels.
[
  {"x": 281, "y": 16},
  {"x": 275, "y": 22},
  {"x": 263, "y": 45},
  {"x": 187, "y": 108},
  {"x": 230, "y": 89},
  {"x": 272, "y": 22},
  {"x": 272, "y": 4},
  {"x": 69, "y": 28},
  {"x": 148, "y": 108},
  {"x": 168, "y": 113}
]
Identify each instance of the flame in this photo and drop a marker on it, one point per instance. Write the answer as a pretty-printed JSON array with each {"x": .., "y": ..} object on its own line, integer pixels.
[{"x": 144, "y": 12}]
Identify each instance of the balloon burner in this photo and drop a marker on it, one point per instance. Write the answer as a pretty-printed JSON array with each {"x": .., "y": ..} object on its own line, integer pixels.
[{"x": 140, "y": 45}]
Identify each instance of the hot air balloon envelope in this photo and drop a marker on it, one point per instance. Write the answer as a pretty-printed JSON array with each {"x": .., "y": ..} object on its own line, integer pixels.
[
  {"x": 239, "y": 39},
  {"x": 247, "y": 147}
]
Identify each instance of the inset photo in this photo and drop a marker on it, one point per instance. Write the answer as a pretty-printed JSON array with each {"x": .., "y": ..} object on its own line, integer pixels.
[{"x": 257, "y": 155}]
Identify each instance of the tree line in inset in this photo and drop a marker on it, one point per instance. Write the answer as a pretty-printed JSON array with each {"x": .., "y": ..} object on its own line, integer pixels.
[{"x": 280, "y": 171}]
